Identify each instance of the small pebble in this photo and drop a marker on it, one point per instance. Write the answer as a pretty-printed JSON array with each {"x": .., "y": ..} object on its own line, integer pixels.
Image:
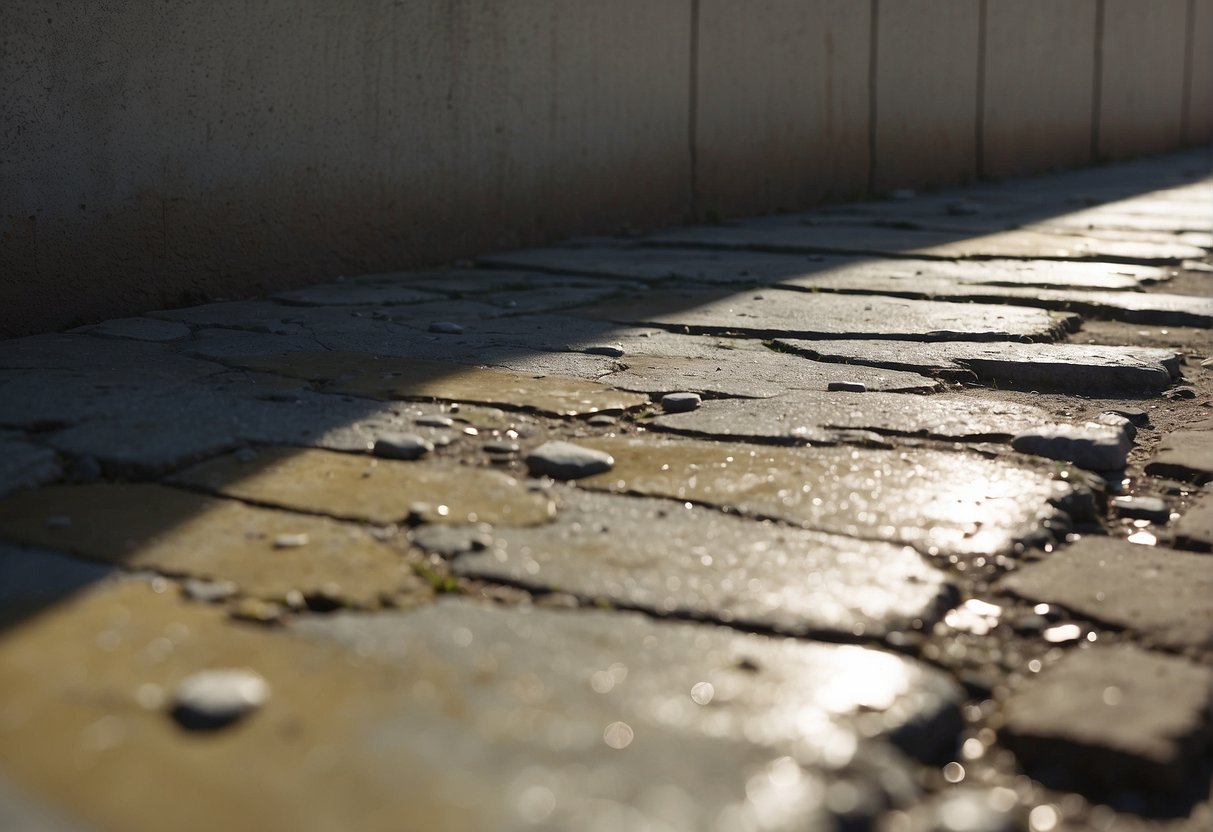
[
  {"x": 216, "y": 698},
  {"x": 434, "y": 421},
  {"x": 847, "y": 387},
  {"x": 446, "y": 328},
  {"x": 290, "y": 541},
  {"x": 1142, "y": 508},
  {"x": 612, "y": 350},
  {"x": 566, "y": 461},
  {"x": 208, "y": 592},
  {"x": 502, "y": 448},
  {"x": 1180, "y": 393},
  {"x": 680, "y": 402},
  {"x": 602, "y": 420},
  {"x": 1138, "y": 417},
  {"x": 257, "y": 611},
  {"x": 402, "y": 446}
]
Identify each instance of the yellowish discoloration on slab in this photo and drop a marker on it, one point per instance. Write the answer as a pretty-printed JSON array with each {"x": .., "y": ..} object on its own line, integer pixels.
[
  {"x": 74, "y": 731},
  {"x": 180, "y": 533},
  {"x": 938, "y": 502},
  {"x": 377, "y": 490},
  {"x": 403, "y": 378}
]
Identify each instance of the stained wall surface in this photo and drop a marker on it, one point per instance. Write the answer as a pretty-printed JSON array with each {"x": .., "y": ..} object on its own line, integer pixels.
[{"x": 159, "y": 153}]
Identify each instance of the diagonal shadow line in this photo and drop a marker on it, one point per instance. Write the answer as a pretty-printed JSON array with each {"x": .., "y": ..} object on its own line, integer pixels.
[{"x": 399, "y": 330}]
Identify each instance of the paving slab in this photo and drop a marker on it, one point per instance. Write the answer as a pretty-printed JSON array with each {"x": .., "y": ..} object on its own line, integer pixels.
[
  {"x": 775, "y": 313},
  {"x": 1111, "y": 719},
  {"x": 140, "y": 329},
  {"x": 1160, "y": 595},
  {"x": 831, "y": 417},
  {"x": 764, "y": 268},
  {"x": 754, "y": 375},
  {"x": 939, "y": 502},
  {"x": 1073, "y": 368},
  {"x": 33, "y": 579},
  {"x": 362, "y": 487},
  {"x": 461, "y": 717},
  {"x": 789, "y": 235},
  {"x": 1195, "y": 527},
  {"x": 400, "y": 378},
  {"x": 25, "y": 465},
  {"x": 269, "y": 554},
  {"x": 1185, "y": 455},
  {"x": 675, "y": 559},
  {"x": 360, "y": 293}
]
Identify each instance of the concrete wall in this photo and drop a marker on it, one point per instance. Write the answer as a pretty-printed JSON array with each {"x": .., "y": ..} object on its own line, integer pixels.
[{"x": 160, "y": 152}]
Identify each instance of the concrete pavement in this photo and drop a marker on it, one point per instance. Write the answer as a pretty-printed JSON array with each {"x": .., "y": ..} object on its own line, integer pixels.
[{"x": 881, "y": 574}]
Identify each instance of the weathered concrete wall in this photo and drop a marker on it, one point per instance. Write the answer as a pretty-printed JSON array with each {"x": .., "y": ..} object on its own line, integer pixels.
[
  {"x": 1141, "y": 92},
  {"x": 154, "y": 153},
  {"x": 781, "y": 104},
  {"x": 927, "y": 63},
  {"x": 1039, "y": 82}
]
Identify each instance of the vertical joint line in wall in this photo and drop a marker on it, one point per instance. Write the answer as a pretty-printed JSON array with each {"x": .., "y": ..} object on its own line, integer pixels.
[
  {"x": 1185, "y": 105},
  {"x": 979, "y": 122},
  {"x": 1097, "y": 80},
  {"x": 693, "y": 111},
  {"x": 873, "y": 43}
]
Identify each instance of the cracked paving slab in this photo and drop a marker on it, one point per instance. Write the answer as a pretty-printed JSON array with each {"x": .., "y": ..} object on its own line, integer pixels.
[
  {"x": 754, "y": 375},
  {"x": 1195, "y": 527},
  {"x": 739, "y": 269},
  {"x": 400, "y": 378},
  {"x": 1185, "y": 454},
  {"x": 781, "y": 234},
  {"x": 834, "y": 417},
  {"x": 671, "y": 558},
  {"x": 941, "y": 503},
  {"x": 462, "y": 717},
  {"x": 361, "y": 487},
  {"x": 25, "y": 465},
  {"x": 774, "y": 313},
  {"x": 1074, "y": 368},
  {"x": 1160, "y": 595},
  {"x": 185, "y": 534},
  {"x": 1096, "y": 721}
]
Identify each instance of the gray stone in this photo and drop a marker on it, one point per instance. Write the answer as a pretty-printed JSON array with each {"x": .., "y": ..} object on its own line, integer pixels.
[
  {"x": 608, "y": 719},
  {"x": 449, "y": 540},
  {"x": 613, "y": 350},
  {"x": 446, "y": 328},
  {"x": 140, "y": 329},
  {"x": 847, "y": 387},
  {"x": 1159, "y": 594},
  {"x": 1073, "y": 368},
  {"x": 1185, "y": 455},
  {"x": 402, "y": 446},
  {"x": 827, "y": 418},
  {"x": 1092, "y": 446},
  {"x": 1195, "y": 527},
  {"x": 212, "y": 699},
  {"x": 680, "y": 402},
  {"x": 25, "y": 465},
  {"x": 671, "y": 558},
  {"x": 435, "y": 421},
  {"x": 803, "y": 315},
  {"x": 566, "y": 461},
  {"x": 1142, "y": 508},
  {"x": 1113, "y": 719},
  {"x": 208, "y": 591},
  {"x": 501, "y": 448}
]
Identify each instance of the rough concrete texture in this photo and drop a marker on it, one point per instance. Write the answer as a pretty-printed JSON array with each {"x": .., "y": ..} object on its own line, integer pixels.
[
  {"x": 1094, "y": 720},
  {"x": 1161, "y": 594},
  {"x": 1068, "y": 367},
  {"x": 1195, "y": 527},
  {"x": 831, "y": 596}
]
